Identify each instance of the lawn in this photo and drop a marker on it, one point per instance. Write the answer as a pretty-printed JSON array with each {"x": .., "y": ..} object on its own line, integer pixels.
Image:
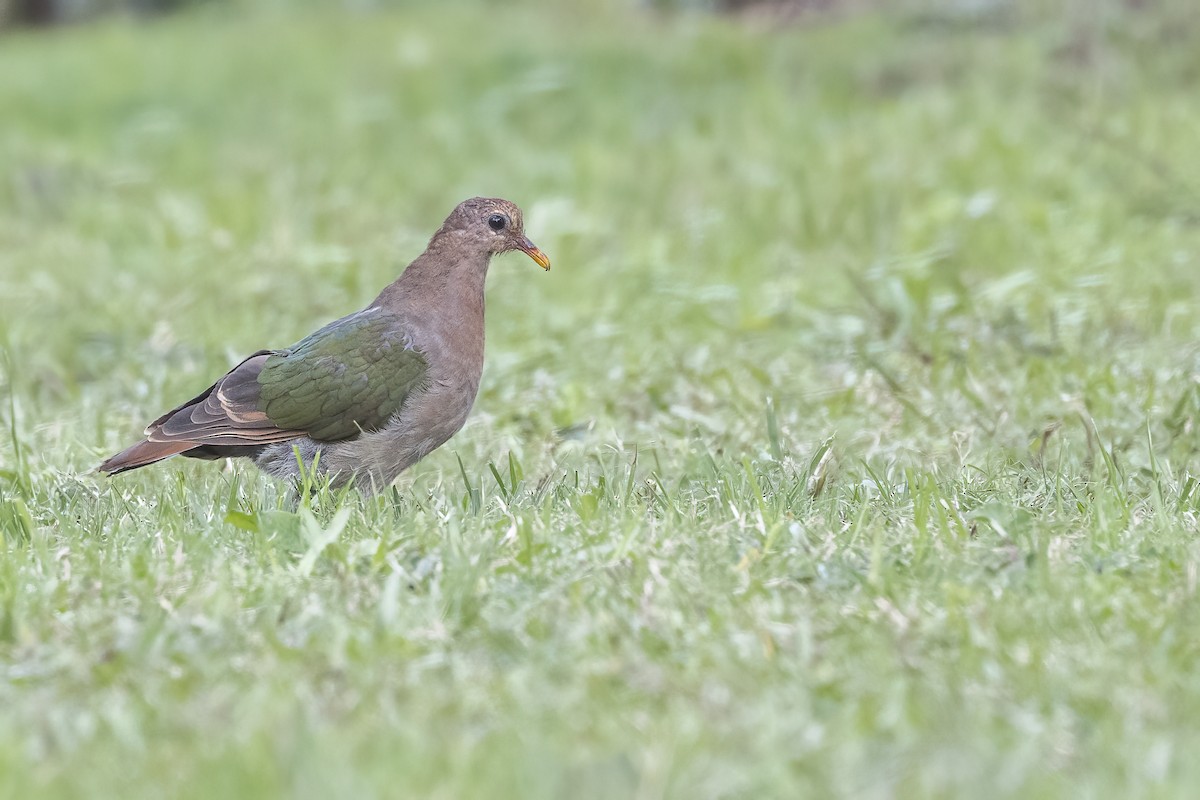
[{"x": 849, "y": 449}]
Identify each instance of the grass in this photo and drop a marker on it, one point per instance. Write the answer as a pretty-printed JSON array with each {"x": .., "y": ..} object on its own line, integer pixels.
[{"x": 848, "y": 450}]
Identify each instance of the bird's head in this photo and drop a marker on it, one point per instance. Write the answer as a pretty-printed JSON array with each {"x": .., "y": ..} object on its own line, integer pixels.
[{"x": 493, "y": 226}]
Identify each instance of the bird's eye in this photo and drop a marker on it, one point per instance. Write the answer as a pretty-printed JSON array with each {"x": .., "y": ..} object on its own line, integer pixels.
[{"x": 497, "y": 222}]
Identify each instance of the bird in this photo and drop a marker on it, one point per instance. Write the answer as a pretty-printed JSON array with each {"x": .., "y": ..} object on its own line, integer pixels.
[{"x": 362, "y": 399}]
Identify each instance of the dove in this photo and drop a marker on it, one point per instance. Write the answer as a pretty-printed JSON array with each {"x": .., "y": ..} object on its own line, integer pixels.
[{"x": 368, "y": 395}]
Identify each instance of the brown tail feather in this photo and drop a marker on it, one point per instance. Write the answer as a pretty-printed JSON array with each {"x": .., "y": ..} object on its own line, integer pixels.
[{"x": 141, "y": 454}]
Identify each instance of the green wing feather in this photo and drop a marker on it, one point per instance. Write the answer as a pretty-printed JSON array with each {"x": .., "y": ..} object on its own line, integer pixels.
[{"x": 350, "y": 376}]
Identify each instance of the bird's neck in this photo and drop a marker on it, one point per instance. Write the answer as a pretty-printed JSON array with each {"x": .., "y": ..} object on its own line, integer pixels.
[{"x": 446, "y": 281}]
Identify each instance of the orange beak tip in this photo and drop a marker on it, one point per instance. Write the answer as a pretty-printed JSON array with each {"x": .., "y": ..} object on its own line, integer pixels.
[{"x": 539, "y": 258}]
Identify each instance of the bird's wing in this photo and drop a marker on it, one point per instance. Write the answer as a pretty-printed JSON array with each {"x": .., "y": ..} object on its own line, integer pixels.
[
  {"x": 224, "y": 413},
  {"x": 348, "y": 377}
]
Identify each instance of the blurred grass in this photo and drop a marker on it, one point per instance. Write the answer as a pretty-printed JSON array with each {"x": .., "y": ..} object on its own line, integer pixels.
[{"x": 963, "y": 248}]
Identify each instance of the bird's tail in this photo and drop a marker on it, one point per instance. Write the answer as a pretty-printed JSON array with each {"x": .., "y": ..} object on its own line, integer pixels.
[{"x": 141, "y": 454}]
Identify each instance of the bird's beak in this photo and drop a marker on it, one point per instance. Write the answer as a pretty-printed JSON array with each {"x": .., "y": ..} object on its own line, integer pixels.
[{"x": 530, "y": 249}]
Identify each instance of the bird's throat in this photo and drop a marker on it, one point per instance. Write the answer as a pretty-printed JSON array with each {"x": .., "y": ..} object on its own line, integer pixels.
[{"x": 447, "y": 280}]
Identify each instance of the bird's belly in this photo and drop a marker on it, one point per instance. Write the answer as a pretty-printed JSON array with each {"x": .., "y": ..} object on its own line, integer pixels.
[
  {"x": 436, "y": 415},
  {"x": 425, "y": 422}
]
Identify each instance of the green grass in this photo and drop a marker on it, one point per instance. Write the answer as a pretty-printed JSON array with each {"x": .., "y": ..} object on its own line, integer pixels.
[{"x": 850, "y": 448}]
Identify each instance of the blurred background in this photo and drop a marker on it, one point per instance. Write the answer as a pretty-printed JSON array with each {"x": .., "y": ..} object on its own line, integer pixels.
[{"x": 850, "y": 442}]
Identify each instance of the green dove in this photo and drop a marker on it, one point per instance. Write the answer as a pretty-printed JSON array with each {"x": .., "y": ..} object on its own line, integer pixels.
[{"x": 370, "y": 394}]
